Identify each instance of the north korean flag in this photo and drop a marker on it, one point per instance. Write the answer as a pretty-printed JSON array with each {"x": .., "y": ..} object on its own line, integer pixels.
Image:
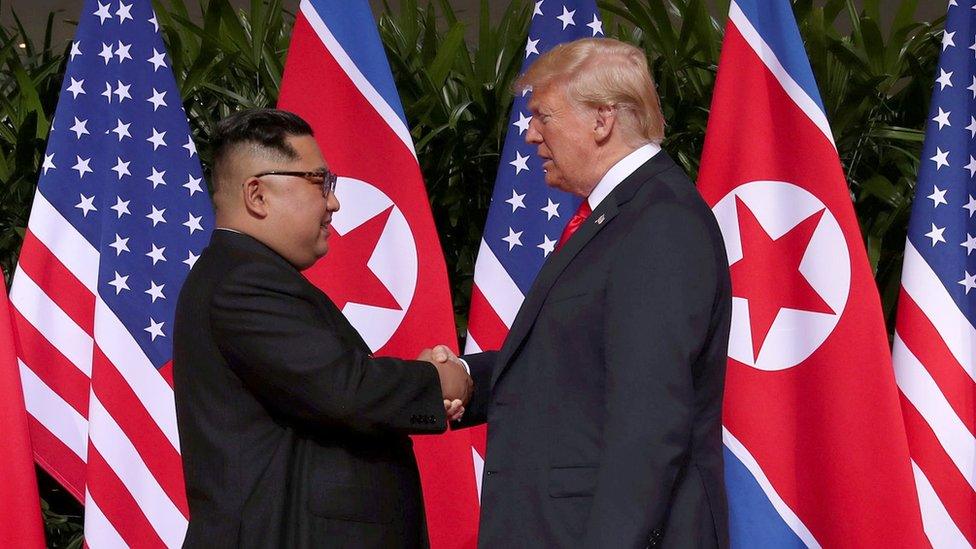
[{"x": 816, "y": 451}]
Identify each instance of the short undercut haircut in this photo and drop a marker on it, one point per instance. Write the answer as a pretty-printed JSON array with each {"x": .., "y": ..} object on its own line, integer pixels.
[{"x": 264, "y": 131}]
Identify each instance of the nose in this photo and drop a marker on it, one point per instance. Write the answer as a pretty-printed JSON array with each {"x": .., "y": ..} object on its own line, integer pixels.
[
  {"x": 532, "y": 135},
  {"x": 332, "y": 202}
]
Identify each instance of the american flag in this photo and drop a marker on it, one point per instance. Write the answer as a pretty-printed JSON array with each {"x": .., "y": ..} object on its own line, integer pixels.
[
  {"x": 526, "y": 217},
  {"x": 935, "y": 339},
  {"x": 120, "y": 215}
]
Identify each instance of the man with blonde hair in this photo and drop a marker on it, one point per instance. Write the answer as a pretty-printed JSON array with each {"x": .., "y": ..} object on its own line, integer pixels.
[{"x": 604, "y": 405}]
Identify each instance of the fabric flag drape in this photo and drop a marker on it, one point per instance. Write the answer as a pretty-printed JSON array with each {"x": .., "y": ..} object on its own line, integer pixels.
[
  {"x": 935, "y": 366},
  {"x": 119, "y": 217},
  {"x": 19, "y": 503},
  {"x": 816, "y": 452},
  {"x": 526, "y": 218},
  {"x": 385, "y": 269}
]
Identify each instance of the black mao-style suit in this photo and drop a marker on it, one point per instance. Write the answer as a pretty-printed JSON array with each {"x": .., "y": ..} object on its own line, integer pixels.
[
  {"x": 604, "y": 404},
  {"x": 292, "y": 434}
]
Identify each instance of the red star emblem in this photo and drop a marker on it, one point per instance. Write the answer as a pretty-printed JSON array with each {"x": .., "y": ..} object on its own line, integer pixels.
[
  {"x": 348, "y": 278},
  {"x": 768, "y": 275}
]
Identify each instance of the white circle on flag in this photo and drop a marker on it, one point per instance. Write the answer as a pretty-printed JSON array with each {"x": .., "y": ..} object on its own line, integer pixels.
[
  {"x": 794, "y": 334},
  {"x": 393, "y": 260}
]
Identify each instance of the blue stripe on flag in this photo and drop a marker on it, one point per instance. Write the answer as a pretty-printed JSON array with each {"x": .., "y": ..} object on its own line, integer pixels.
[
  {"x": 761, "y": 525},
  {"x": 775, "y": 23},
  {"x": 347, "y": 21}
]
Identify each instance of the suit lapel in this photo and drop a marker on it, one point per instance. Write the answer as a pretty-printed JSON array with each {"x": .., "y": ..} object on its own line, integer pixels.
[
  {"x": 344, "y": 329},
  {"x": 547, "y": 276},
  {"x": 601, "y": 217}
]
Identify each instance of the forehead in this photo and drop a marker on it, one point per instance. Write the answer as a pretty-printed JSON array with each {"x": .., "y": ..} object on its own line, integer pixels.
[
  {"x": 547, "y": 97},
  {"x": 309, "y": 154}
]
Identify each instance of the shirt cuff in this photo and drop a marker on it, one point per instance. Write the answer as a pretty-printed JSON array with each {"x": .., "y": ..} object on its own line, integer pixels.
[{"x": 465, "y": 364}]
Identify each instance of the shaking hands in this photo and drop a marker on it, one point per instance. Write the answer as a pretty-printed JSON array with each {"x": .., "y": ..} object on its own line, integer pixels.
[{"x": 456, "y": 384}]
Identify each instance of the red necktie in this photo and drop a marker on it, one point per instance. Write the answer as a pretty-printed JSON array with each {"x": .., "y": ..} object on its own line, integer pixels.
[{"x": 578, "y": 218}]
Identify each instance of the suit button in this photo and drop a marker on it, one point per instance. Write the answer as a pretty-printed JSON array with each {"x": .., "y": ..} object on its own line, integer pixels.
[{"x": 432, "y": 419}]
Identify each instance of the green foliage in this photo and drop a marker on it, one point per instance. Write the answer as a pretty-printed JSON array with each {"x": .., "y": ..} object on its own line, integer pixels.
[
  {"x": 456, "y": 89},
  {"x": 232, "y": 60},
  {"x": 875, "y": 84},
  {"x": 457, "y": 99},
  {"x": 30, "y": 80},
  {"x": 63, "y": 517},
  {"x": 682, "y": 42}
]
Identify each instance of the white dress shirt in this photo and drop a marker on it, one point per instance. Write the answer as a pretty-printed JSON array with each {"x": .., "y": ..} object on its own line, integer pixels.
[{"x": 620, "y": 171}]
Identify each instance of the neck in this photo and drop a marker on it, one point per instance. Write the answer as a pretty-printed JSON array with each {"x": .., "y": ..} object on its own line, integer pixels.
[
  {"x": 236, "y": 224},
  {"x": 607, "y": 158}
]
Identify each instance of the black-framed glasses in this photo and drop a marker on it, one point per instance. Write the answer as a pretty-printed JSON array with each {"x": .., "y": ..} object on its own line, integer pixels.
[{"x": 325, "y": 178}]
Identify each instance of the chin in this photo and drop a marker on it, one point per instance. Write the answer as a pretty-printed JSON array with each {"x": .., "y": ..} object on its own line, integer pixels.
[
  {"x": 556, "y": 183},
  {"x": 320, "y": 253}
]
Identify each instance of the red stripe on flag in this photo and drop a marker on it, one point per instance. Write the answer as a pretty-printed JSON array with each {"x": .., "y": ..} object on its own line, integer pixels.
[
  {"x": 167, "y": 372},
  {"x": 153, "y": 447},
  {"x": 54, "y": 369},
  {"x": 118, "y": 505},
  {"x": 486, "y": 327},
  {"x": 60, "y": 285},
  {"x": 489, "y": 331},
  {"x": 948, "y": 482},
  {"x": 57, "y": 459},
  {"x": 925, "y": 342}
]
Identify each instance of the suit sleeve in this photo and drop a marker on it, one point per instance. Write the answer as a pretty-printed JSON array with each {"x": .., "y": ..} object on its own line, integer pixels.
[
  {"x": 659, "y": 301},
  {"x": 287, "y": 353},
  {"x": 476, "y": 412}
]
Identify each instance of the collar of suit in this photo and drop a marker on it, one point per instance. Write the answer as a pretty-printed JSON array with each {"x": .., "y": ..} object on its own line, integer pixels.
[
  {"x": 620, "y": 171},
  {"x": 557, "y": 262}
]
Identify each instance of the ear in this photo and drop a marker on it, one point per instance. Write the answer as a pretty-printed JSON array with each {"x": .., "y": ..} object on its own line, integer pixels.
[
  {"x": 605, "y": 120},
  {"x": 255, "y": 198}
]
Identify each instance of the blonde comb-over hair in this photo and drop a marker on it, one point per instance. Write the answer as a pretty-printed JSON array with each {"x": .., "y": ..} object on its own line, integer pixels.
[{"x": 601, "y": 72}]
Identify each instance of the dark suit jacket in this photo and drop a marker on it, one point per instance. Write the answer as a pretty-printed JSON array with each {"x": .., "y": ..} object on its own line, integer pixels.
[
  {"x": 604, "y": 405},
  {"x": 292, "y": 434}
]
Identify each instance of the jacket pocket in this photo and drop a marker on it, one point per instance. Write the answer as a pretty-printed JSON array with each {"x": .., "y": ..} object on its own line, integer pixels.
[
  {"x": 557, "y": 296},
  {"x": 353, "y": 503},
  {"x": 575, "y": 481}
]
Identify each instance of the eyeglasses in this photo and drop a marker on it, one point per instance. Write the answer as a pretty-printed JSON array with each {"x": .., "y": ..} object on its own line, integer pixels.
[{"x": 325, "y": 178}]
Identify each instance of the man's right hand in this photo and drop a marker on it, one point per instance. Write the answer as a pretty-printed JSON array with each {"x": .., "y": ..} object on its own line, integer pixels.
[{"x": 456, "y": 384}]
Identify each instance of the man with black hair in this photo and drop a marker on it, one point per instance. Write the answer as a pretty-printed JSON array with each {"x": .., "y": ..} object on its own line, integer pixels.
[{"x": 292, "y": 433}]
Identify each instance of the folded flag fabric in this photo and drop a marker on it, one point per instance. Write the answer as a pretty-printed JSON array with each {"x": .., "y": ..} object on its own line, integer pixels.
[{"x": 816, "y": 453}]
